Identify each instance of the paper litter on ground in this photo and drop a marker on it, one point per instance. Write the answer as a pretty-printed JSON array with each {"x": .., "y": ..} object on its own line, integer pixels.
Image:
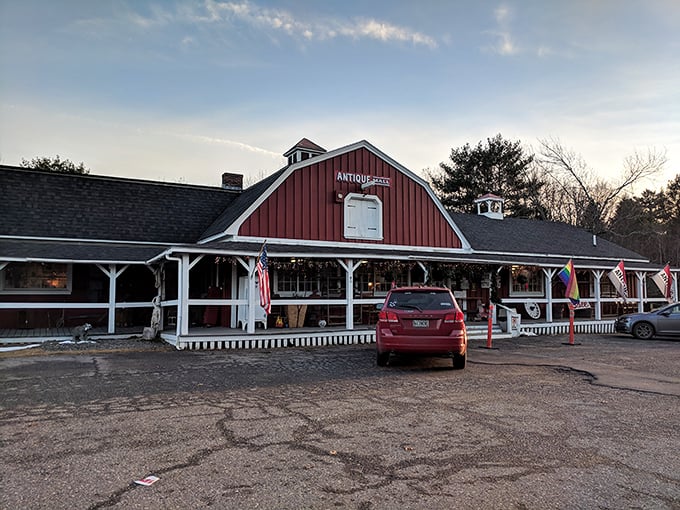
[{"x": 147, "y": 481}]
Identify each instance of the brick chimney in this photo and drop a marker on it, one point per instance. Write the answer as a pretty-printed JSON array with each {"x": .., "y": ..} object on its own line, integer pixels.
[{"x": 232, "y": 182}]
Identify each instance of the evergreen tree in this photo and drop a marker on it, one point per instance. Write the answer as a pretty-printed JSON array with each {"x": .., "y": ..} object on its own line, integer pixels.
[
  {"x": 55, "y": 164},
  {"x": 498, "y": 166}
]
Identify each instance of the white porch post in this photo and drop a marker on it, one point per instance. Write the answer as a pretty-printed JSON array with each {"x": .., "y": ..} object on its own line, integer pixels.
[
  {"x": 113, "y": 275},
  {"x": 641, "y": 290},
  {"x": 183, "y": 297},
  {"x": 598, "y": 293},
  {"x": 674, "y": 286},
  {"x": 549, "y": 273},
  {"x": 349, "y": 266},
  {"x": 185, "y": 265},
  {"x": 233, "y": 314},
  {"x": 426, "y": 272},
  {"x": 251, "y": 295}
]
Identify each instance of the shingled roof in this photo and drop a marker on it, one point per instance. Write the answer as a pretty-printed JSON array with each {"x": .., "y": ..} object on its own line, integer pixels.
[
  {"x": 69, "y": 251},
  {"x": 525, "y": 236},
  {"x": 41, "y": 204}
]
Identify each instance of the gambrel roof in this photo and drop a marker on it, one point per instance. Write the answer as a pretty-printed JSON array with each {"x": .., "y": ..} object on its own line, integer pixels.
[{"x": 229, "y": 222}]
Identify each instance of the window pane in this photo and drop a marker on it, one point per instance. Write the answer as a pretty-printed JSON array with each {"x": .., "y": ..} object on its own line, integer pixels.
[
  {"x": 36, "y": 276},
  {"x": 526, "y": 280}
]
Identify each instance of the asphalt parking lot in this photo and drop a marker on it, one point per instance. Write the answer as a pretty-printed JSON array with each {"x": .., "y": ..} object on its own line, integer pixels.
[{"x": 531, "y": 424}]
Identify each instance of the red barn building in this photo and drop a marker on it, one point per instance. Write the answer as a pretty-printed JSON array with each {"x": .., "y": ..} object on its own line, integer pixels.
[{"x": 340, "y": 226}]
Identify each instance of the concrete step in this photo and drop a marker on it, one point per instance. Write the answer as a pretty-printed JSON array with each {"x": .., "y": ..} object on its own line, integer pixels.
[{"x": 479, "y": 332}]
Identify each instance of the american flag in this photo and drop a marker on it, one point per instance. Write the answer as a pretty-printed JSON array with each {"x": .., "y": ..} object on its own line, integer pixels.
[{"x": 263, "y": 280}]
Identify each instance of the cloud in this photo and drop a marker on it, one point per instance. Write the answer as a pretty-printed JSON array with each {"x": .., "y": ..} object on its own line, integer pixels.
[
  {"x": 502, "y": 14},
  {"x": 269, "y": 21},
  {"x": 283, "y": 21},
  {"x": 505, "y": 45},
  {"x": 504, "y": 42},
  {"x": 221, "y": 141}
]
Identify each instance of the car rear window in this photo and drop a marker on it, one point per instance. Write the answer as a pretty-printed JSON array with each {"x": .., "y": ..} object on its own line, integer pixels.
[{"x": 420, "y": 300}]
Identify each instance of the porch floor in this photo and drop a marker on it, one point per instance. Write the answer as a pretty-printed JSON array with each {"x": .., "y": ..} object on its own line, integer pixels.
[{"x": 48, "y": 334}]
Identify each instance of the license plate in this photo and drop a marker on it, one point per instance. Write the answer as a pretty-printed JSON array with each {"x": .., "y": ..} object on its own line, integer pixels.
[{"x": 421, "y": 323}]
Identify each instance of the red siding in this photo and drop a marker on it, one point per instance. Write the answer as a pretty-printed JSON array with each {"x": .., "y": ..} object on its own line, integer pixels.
[{"x": 304, "y": 206}]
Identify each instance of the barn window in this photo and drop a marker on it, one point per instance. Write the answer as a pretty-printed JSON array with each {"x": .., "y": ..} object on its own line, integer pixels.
[{"x": 363, "y": 217}]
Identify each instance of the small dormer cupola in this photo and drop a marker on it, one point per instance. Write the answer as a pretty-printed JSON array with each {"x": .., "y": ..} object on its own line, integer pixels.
[
  {"x": 302, "y": 150},
  {"x": 490, "y": 205}
]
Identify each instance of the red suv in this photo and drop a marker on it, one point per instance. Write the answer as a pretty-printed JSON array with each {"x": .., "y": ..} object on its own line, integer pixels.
[{"x": 421, "y": 321}]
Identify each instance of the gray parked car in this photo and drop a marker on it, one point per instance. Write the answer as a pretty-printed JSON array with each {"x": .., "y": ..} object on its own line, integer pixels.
[{"x": 664, "y": 321}]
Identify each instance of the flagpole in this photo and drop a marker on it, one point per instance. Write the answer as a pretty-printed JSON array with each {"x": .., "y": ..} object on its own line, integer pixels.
[{"x": 571, "y": 324}]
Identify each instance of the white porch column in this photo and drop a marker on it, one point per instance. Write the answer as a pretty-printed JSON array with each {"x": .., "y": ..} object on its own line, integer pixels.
[
  {"x": 349, "y": 266},
  {"x": 113, "y": 275},
  {"x": 426, "y": 272},
  {"x": 183, "y": 320},
  {"x": 598, "y": 293},
  {"x": 641, "y": 290},
  {"x": 233, "y": 312},
  {"x": 252, "y": 295},
  {"x": 674, "y": 286},
  {"x": 183, "y": 296},
  {"x": 549, "y": 273}
]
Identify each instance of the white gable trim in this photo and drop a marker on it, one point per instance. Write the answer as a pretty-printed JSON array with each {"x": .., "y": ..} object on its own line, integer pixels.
[{"x": 232, "y": 230}]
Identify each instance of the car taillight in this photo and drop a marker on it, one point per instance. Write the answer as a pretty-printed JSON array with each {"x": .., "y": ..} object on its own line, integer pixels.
[
  {"x": 457, "y": 316},
  {"x": 385, "y": 316}
]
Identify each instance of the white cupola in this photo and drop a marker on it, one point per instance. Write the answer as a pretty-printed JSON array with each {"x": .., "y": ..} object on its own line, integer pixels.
[
  {"x": 490, "y": 205},
  {"x": 302, "y": 150}
]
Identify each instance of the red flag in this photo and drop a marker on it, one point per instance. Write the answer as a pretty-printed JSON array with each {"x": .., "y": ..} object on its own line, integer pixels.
[
  {"x": 263, "y": 280},
  {"x": 618, "y": 279},
  {"x": 664, "y": 280}
]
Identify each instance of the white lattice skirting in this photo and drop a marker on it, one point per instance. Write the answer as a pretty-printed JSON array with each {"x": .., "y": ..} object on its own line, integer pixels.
[
  {"x": 562, "y": 328},
  {"x": 349, "y": 337},
  {"x": 275, "y": 342}
]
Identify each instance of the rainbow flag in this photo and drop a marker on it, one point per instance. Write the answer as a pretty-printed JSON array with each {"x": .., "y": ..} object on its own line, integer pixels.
[{"x": 568, "y": 277}]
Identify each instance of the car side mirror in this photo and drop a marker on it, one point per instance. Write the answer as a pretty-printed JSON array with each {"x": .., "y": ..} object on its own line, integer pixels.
[{"x": 378, "y": 306}]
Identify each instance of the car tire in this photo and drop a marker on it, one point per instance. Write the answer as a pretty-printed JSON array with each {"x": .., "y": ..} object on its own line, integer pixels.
[
  {"x": 459, "y": 361},
  {"x": 643, "y": 330},
  {"x": 382, "y": 358}
]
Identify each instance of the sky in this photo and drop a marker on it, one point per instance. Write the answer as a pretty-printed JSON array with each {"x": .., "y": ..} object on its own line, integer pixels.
[{"x": 181, "y": 91}]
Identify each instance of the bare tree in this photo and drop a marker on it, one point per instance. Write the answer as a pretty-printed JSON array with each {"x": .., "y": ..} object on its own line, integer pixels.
[
  {"x": 650, "y": 224},
  {"x": 581, "y": 198}
]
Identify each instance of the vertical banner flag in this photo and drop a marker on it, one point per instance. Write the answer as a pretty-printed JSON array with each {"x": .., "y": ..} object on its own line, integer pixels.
[
  {"x": 618, "y": 279},
  {"x": 263, "y": 280},
  {"x": 663, "y": 280},
  {"x": 568, "y": 277}
]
